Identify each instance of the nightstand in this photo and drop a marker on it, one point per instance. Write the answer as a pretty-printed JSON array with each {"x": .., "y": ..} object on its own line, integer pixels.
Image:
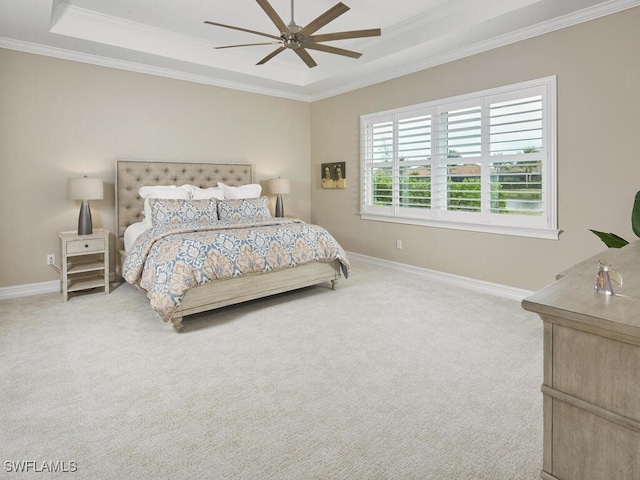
[{"x": 85, "y": 261}]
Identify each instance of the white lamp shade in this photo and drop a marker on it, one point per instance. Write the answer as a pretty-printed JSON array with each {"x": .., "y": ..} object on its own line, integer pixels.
[
  {"x": 279, "y": 186},
  {"x": 85, "y": 188}
]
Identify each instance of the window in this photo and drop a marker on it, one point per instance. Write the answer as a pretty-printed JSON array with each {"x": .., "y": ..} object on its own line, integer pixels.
[{"x": 484, "y": 162}]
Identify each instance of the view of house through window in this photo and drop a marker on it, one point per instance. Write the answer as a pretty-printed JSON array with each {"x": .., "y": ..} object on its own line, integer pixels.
[{"x": 484, "y": 161}]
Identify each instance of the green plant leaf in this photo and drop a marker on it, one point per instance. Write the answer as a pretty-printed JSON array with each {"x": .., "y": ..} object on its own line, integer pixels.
[
  {"x": 611, "y": 240},
  {"x": 635, "y": 215}
]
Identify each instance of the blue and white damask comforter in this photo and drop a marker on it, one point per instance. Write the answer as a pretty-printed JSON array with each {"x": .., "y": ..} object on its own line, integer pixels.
[{"x": 166, "y": 261}]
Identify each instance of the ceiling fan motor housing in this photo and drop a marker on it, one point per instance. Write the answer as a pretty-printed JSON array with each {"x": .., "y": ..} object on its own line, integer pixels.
[{"x": 296, "y": 40}]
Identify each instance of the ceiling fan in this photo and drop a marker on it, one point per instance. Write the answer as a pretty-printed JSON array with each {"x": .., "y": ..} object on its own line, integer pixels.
[{"x": 299, "y": 39}]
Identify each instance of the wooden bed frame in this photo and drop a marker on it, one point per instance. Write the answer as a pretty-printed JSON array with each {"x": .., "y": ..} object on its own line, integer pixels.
[{"x": 132, "y": 174}]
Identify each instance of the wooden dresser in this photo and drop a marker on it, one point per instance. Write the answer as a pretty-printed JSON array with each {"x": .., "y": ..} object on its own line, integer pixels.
[{"x": 591, "y": 389}]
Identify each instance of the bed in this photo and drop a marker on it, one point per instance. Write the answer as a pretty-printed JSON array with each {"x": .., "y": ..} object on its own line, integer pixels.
[{"x": 218, "y": 291}]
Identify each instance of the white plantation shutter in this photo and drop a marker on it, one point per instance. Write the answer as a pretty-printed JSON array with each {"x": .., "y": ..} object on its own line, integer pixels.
[
  {"x": 483, "y": 162},
  {"x": 517, "y": 150},
  {"x": 460, "y": 141},
  {"x": 377, "y": 147},
  {"x": 414, "y": 161}
]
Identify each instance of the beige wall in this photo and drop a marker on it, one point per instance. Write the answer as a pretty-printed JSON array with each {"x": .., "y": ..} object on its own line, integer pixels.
[
  {"x": 598, "y": 74},
  {"x": 60, "y": 119}
]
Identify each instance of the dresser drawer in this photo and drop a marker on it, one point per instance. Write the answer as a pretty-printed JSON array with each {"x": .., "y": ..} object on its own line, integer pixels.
[{"x": 85, "y": 246}]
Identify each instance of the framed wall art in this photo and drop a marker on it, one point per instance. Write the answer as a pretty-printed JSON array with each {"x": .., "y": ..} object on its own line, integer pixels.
[{"x": 333, "y": 175}]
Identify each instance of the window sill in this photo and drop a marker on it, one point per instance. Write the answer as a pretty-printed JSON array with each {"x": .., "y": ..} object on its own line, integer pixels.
[{"x": 519, "y": 231}]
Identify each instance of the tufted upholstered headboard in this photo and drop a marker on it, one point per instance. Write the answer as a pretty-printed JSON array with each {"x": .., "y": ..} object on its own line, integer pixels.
[{"x": 133, "y": 174}]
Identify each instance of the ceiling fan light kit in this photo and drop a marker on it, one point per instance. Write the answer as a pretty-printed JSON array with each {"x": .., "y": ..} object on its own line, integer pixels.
[{"x": 299, "y": 39}]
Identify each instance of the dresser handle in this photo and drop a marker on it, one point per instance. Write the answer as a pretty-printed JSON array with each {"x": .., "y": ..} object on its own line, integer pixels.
[{"x": 86, "y": 246}]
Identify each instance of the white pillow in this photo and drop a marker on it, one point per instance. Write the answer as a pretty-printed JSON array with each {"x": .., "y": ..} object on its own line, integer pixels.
[
  {"x": 250, "y": 190},
  {"x": 154, "y": 191},
  {"x": 161, "y": 191},
  {"x": 198, "y": 193}
]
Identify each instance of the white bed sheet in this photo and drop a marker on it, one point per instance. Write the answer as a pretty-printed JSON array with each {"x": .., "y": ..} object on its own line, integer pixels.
[{"x": 132, "y": 232}]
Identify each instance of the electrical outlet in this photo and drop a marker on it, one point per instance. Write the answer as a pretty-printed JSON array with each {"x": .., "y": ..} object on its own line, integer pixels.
[
  {"x": 51, "y": 259},
  {"x": 399, "y": 244}
]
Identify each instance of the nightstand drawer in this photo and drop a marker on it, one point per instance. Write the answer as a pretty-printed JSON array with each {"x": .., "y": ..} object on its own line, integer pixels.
[{"x": 85, "y": 246}]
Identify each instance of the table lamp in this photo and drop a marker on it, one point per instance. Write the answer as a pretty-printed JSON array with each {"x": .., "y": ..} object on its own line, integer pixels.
[
  {"x": 85, "y": 189},
  {"x": 279, "y": 186}
]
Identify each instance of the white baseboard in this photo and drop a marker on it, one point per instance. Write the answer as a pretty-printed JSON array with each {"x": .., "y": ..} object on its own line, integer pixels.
[
  {"x": 488, "y": 287},
  {"x": 30, "y": 289},
  {"x": 479, "y": 285}
]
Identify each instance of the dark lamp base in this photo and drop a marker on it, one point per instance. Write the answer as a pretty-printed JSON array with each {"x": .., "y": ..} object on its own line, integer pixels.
[
  {"x": 279, "y": 207},
  {"x": 85, "y": 227}
]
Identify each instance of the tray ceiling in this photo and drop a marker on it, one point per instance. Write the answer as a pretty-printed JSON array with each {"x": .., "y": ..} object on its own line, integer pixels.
[{"x": 169, "y": 38}]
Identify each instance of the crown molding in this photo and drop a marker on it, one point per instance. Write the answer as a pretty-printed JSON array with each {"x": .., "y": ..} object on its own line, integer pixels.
[
  {"x": 81, "y": 57},
  {"x": 76, "y": 22},
  {"x": 431, "y": 61}
]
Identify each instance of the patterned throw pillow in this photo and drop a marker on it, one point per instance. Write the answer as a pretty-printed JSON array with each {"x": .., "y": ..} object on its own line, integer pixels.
[
  {"x": 168, "y": 211},
  {"x": 160, "y": 191},
  {"x": 247, "y": 209}
]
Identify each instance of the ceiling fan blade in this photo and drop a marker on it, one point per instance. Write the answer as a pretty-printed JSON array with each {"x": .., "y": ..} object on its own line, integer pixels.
[
  {"x": 246, "y": 45},
  {"x": 243, "y": 29},
  {"x": 271, "y": 55},
  {"x": 306, "y": 58},
  {"x": 337, "y": 51},
  {"x": 275, "y": 18},
  {"x": 327, "y": 37},
  {"x": 326, "y": 17}
]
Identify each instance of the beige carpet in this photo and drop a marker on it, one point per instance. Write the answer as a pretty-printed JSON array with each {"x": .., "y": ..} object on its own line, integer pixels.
[{"x": 391, "y": 376}]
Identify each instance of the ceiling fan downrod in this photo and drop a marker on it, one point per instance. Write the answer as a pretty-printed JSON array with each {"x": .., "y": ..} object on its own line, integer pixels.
[
  {"x": 293, "y": 27},
  {"x": 293, "y": 39}
]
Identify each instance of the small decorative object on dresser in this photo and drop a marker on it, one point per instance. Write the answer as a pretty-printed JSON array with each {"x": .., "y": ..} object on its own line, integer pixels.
[{"x": 85, "y": 261}]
